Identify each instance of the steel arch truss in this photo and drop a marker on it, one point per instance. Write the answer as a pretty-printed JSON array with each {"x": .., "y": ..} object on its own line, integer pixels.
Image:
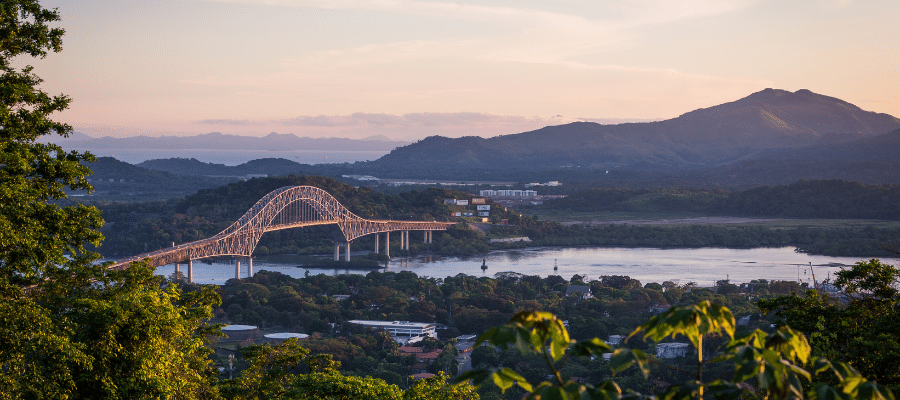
[{"x": 284, "y": 208}]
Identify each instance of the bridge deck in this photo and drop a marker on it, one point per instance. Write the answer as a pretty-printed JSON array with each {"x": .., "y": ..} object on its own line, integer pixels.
[{"x": 284, "y": 208}]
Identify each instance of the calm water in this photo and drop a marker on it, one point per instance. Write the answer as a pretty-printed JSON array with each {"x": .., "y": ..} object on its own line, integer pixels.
[{"x": 703, "y": 266}]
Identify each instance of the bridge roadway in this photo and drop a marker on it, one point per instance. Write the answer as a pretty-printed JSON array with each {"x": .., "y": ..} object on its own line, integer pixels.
[{"x": 285, "y": 208}]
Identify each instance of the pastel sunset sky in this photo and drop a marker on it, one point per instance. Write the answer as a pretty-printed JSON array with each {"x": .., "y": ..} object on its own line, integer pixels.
[{"x": 410, "y": 69}]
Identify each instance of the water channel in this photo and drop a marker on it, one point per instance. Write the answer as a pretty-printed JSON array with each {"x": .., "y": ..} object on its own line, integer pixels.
[{"x": 703, "y": 265}]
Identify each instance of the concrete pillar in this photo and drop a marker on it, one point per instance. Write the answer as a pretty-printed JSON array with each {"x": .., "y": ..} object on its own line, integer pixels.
[
  {"x": 377, "y": 236},
  {"x": 337, "y": 251},
  {"x": 191, "y": 271},
  {"x": 387, "y": 244},
  {"x": 424, "y": 236},
  {"x": 177, "y": 269},
  {"x": 430, "y": 236},
  {"x": 250, "y": 266},
  {"x": 237, "y": 269},
  {"x": 406, "y": 242},
  {"x": 401, "y": 241},
  {"x": 348, "y": 251}
]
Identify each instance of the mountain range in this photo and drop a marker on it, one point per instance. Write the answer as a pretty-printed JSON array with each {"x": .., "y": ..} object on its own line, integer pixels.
[
  {"x": 219, "y": 141},
  {"x": 770, "y": 137},
  {"x": 769, "y": 123}
]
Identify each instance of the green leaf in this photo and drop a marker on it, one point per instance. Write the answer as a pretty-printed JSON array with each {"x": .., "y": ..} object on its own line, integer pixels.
[
  {"x": 872, "y": 391},
  {"x": 624, "y": 358},
  {"x": 505, "y": 378},
  {"x": 478, "y": 377},
  {"x": 690, "y": 321},
  {"x": 591, "y": 347}
]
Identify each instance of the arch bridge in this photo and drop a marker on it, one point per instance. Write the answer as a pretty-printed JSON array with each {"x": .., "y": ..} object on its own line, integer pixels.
[{"x": 285, "y": 208}]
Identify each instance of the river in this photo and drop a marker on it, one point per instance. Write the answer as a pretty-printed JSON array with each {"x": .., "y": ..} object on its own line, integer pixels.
[{"x": 704, "y": 265}]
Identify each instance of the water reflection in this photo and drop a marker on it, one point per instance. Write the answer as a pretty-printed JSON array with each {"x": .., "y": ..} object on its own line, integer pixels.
[{"x": 704, "y": 266}]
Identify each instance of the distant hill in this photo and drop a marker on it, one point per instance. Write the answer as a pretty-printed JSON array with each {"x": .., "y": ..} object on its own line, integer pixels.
[
  {"x": 191, "y": 166},
  {"x": 730, "y": 132},
  {"x": 116, "y": 180},
  {"x": 871, "y": 160},
  {"x": 218, "y": 141}
]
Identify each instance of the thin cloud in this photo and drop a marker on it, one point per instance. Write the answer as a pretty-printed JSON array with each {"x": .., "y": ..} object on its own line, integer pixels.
[
  {"x": 232, "y": 122},
  {"x": 433, "y": 120}
]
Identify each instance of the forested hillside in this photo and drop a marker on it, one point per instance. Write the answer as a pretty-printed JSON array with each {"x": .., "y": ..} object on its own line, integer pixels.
[
  {"x": 120, "y": 181},
  {"x": 136, "y": 228},
  {"x": 831, "y": 199}
]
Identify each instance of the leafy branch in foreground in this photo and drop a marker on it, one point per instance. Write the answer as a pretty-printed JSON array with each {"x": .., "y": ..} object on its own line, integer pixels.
[{"x": 775, "y": 365}]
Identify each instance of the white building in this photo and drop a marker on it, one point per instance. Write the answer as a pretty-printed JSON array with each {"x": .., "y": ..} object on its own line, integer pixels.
[
  {"x": 401, "y": 329},
  {"x": 615, "y": 340},
  {"x": 508, "y": 193},
  {"x": 672, "y": 350}
]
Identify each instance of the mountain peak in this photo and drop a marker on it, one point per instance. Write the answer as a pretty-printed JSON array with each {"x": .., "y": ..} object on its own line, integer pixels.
[
  {"x": 775, "y": 117},
  {"x": 770, "y": 118}
]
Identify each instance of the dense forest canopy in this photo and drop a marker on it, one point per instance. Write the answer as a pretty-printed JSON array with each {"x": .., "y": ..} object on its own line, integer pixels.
[
  {"x": 134, "y": 228},
  {"x": 829, "y": 199}
]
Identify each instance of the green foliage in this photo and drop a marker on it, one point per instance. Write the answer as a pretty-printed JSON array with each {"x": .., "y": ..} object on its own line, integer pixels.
[
  {"x": 863, "y": 331},
  {"x": 127, "y": 324},
  {"x": 140, "y": 227},
  {"x": 69, "y": 328},
  {"x": 871, "y": 279},
  {"x": 803, "y": 199},
  {"x": 287, "y": 371},
  {"x": 766, "y": 366},
  {"x": 35, "y": 233},
  {"x": 542, "y": 333},
  {"x": 438, "y": 387}
]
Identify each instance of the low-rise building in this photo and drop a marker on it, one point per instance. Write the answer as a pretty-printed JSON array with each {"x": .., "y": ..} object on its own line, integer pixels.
[
  {"x": 584, "y": 290},
  {"x": 672, "y": 350},
  {"x": 401, "y": 329},
  {"x": 238, "y": 333},
  {"x": 276, "y": 338},
  {"x": 508, "y": 193}
]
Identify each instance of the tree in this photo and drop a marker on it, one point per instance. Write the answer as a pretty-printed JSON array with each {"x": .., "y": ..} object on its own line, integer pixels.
[
  {"x": 143, "y": 339},
  {"x": 287, "y": 371},
  {"x": 438, "y": 388},
  {"x": 863, "y": 332},
  {"x": 765, "y": 366},
  {"x": 68, "y": 326},
  {"x": 36, "y": 233}
]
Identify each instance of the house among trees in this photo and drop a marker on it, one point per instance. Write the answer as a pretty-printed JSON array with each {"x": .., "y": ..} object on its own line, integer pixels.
[{"x": 584, "y": 290}]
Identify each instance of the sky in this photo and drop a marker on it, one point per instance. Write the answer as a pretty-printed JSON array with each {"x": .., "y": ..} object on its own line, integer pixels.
[{"x": 411, "y": 69}]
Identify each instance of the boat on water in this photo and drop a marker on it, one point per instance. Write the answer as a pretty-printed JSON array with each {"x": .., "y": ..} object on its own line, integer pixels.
[{"x": 483, "y": 263}]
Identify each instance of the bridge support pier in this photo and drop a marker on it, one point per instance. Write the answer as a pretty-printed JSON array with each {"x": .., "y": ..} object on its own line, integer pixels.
[
  {"x": 237, "y": 270},
  {"x": 250, "y": 267},
  {"x": 283, "y": 208},
  {"x": 377, "y": 236},
  {"x": 191, "y": 271},
  {"x": 337, "y": 251},
  {"x": 387, "y": 244},
  {"x": 430, "y": 236},
  {"x": 177, "y": 270}
]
